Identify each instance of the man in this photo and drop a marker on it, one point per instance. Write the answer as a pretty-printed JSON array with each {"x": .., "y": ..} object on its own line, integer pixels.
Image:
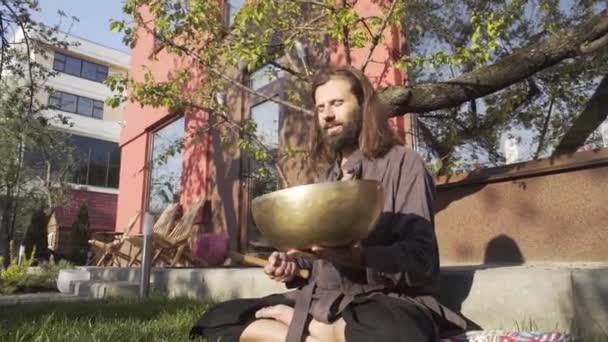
[{"x": 378, "y": 290}]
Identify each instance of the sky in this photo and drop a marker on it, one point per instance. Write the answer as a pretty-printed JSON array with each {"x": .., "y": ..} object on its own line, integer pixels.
[{"x": 94, "y": 19}]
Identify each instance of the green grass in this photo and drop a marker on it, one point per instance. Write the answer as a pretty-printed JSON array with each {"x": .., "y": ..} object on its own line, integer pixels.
[{"x": 118, "y": 319}]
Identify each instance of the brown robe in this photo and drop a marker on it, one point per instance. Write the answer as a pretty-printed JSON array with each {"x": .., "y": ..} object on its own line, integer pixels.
[{"x": 400, "y": 256}]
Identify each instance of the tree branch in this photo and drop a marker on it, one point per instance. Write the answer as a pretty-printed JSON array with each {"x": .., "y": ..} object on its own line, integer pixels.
[
  {"x": 1, "y": 46},
  {"x": 227, "y": 78},
  {"x": 376, "y": 38},
  {"x": 29, "y": 56},
  {"x": 595, "y": 112},
  {"x": 486, "y": 80},
  {"x": 345, "y": 33},
  {"x": 316, "y": 3},
  {"x": 431, "y": 138}
]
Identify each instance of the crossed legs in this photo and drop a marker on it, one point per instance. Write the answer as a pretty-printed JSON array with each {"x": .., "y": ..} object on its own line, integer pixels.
[{"x": 272, "y": 325}]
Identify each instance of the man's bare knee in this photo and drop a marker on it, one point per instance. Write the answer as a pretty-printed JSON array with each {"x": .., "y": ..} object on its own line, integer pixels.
[
  {"x": 339, "y": 328},
  {"x": 264, "y": 330},
  {"x": 333, "y": 332}
]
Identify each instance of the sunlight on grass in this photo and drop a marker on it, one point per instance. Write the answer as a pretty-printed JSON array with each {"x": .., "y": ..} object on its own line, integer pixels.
[{"x": 105, "y": 320}]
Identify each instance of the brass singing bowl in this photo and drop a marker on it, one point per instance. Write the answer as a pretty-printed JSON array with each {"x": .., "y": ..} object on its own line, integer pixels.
[{"x": 328, "y": 214}]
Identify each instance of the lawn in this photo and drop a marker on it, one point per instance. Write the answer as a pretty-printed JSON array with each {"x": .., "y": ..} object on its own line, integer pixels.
[{"x": 119, "y": 319}]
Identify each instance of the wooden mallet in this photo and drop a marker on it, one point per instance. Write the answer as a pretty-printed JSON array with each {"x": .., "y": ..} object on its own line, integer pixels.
[{"x": 214, "y": 249}]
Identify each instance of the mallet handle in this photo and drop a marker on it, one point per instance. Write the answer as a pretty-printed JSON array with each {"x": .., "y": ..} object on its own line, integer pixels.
[{"x": 248, "y": 259}]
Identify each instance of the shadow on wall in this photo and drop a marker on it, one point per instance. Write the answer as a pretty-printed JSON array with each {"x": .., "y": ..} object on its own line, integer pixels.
[{"x": 456, "y": 282}]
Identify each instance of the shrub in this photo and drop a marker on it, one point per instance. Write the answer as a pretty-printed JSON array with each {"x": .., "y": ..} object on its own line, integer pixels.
[
  {"x": 17, "y": 278},
  {"x": 13, "y": 275},
  {"x": 36, "y": 236},
  {"x": 79, "y": 237}
]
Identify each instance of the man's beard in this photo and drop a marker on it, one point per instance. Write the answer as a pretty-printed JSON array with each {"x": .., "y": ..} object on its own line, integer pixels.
[{"x": 348, "y": 138}]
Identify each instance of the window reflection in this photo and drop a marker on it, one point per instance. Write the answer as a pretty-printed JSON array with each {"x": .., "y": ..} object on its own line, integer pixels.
[{"x": 166, "y": 166}]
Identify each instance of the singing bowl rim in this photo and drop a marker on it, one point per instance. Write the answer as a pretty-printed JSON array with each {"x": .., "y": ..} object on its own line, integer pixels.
[
  {"x": 273, "y": 196},
  {"x": 346, "y": 183}
]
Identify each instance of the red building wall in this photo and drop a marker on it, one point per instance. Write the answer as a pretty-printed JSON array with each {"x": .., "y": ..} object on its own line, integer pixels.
[
  {"x": 135, "y": 138},
  {"x": 101, "y": 208}
]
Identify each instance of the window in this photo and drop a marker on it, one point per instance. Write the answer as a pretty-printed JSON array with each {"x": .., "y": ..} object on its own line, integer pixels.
[
  {"x": 166, "y": 166},
  {"x": 262, "y": 174},
  {"x": 79, "y": 67},
  {"x": 264, "y": 76},
  {"x": 97, "y": 162},
  {"x": 266, "y": 117},
  {"x": 76, "y": 104},
  {"x": 232, "y": 7}
]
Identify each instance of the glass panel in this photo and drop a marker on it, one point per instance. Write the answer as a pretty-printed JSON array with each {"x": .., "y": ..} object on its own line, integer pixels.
[
  {"x": 59, "y": 62},
  {"x": 58, "y": 65},
  {"x": 233, "y": 6},
  {"x": 89, "y": 71},
  {"x": 82, "y": 149},
  {"x": 266, "y": 116},
  {"x": 98, "y": 109},
  {"x": 68, "y": 102},
  {"x": 264, "y": 76},
  {"x": 166, "y": 172},
  {"x": 85, "y": 106},
  {"x": 55, "y": 100},
  {"x": 102, "y": 73},
  {"x": 100, "y": 155},
  {"x": 72, "y": 66},
  {"x": 114, "y": 171},
  {"x": 59, "y": 57},
  {"x": 97, "y": 162},
  {"x": 262, "y": 174}
]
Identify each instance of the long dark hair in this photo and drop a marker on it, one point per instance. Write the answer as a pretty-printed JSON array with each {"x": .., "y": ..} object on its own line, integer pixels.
[{"x": 376, "y": 137}]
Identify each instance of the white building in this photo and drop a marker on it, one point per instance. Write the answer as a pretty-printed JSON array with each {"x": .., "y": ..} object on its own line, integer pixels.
[{"x": 79, "y": 95}]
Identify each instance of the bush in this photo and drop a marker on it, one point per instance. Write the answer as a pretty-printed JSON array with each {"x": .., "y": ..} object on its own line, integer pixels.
[
  {"x": 36, "y": 237},
  {"x": 17, "y": 278},
  {"x": 79, "y": 238}
]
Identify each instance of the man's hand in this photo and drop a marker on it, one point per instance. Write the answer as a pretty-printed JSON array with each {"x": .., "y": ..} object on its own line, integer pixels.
[
  {"x": 351, "y": 256},
  {"x": 281, "y": 267}
]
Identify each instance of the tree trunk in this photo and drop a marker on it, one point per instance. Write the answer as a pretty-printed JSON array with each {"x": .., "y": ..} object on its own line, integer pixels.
[
  {"x": 5, "y": 225},
  {"x": 595, "y": 112}
]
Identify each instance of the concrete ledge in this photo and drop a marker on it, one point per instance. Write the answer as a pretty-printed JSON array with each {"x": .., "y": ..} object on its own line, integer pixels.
[
  {"x": 44, "y": 297},
  {"x": 215, "y": 284},
  {"x": 569, "y": 298},
  {"x": 104, "y": 289}
]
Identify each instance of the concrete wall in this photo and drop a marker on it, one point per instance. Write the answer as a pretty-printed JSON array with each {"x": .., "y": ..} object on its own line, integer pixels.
[{"x": 535, "y": 212}]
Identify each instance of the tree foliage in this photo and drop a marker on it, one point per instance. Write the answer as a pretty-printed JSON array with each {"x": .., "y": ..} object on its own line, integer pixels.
[
  {"x": 79, "y": 237},
  {"x": 459, "y": 51},
  {"x": 34, "y": 157},
  {"x": 36, "y": 235}
]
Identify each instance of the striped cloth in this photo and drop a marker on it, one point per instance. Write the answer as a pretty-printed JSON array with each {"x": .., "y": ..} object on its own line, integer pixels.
[{"x": 507, "y": 336}]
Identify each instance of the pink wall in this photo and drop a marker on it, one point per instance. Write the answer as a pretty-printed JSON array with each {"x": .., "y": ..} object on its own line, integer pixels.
[
  {"x": 136, "y": 135},
  {"x": 379, "y": 69}
]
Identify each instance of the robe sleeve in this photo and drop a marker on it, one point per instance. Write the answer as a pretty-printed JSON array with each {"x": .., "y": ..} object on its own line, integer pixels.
[{"x": 412, "y": 254}]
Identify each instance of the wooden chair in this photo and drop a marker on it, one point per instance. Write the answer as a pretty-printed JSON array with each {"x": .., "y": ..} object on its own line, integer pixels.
[
  {"x": 172, "y": 249},
  {"x": 112, "y": 249},
  {"x": 162, "y": 227}
]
